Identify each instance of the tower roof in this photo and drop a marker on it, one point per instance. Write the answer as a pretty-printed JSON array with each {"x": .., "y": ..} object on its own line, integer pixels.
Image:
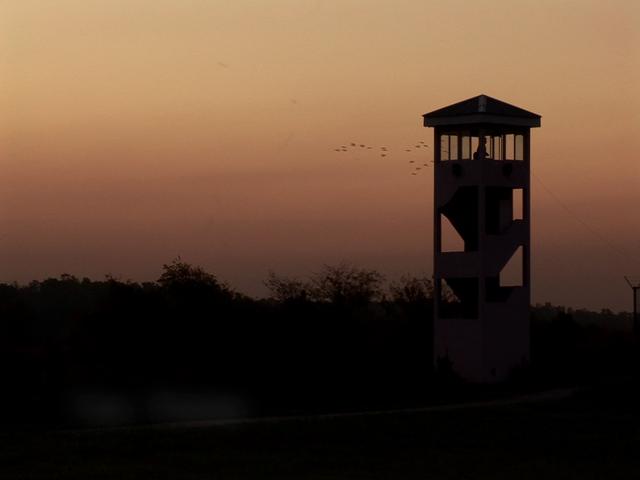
[{"x": 481, "y": 109}]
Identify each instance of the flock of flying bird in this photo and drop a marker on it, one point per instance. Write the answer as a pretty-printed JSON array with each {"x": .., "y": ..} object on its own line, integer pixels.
[{"x": 385, "y": 151}]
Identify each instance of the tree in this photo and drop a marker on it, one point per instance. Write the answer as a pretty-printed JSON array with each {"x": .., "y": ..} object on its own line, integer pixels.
[
  {"x": 284, "y": 289},
  {"x": 181, "y": 273},
  {"x": 344, "y": 284},
  {"x": 412, "y": 290}
]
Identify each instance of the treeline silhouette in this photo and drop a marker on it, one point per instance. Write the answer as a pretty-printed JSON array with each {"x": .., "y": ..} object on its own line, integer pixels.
[{"x": 341, "y": 339}]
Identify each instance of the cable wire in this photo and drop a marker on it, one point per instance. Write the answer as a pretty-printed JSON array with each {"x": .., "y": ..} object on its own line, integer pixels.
[{"x": 624, "y": 256}]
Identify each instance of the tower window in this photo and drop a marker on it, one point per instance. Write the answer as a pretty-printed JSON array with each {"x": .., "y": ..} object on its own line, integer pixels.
[
  {"x": 509, "y": 147},
  {"x": 444, "y": 147},
  {"x": 518, "y": 203},
  {"x": 465, "y": 147},
  {"x": 458, "y": 298},
  {"x": 514, "y": 147},
  {"x": 512, "y": 274},
  {"x": 519, "y": 155},
  {"x": 453, "y": 147},
  {"x": 475, "y": 142},
  {"x": 450, "y": 239},
  {"x": 496, "y": 147},
  {"x": 449, "y": 147}
]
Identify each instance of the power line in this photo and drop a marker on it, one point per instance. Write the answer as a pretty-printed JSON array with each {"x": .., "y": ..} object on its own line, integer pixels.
[{"x": 625, "y": 256}]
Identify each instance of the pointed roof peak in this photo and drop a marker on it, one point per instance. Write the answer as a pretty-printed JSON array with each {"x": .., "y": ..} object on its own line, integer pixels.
[{"x": 481, "y": 109}]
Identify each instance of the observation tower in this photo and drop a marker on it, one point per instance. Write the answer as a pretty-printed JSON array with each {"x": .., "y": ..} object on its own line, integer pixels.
[{"x": 482, "y": 236}]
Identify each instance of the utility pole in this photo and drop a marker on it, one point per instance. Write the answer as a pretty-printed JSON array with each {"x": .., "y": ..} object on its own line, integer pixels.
[{"x": 634, "y": 283}]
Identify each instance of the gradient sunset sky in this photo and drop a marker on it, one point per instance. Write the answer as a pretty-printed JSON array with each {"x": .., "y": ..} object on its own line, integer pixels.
[{"x": 134, "y": 131}]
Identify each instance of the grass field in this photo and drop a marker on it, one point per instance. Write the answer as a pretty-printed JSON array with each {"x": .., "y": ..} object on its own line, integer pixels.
[{"x": 593, "y": 434}]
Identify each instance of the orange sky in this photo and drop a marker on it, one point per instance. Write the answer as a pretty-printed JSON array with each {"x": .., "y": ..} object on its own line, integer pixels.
[{"x": 133, "y": 131}]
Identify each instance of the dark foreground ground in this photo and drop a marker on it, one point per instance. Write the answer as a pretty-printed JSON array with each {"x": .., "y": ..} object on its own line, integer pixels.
[{"x": 591, "y": 434}]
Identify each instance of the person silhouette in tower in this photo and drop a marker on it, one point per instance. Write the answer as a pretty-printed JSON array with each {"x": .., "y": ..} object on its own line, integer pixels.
[{"x": 481, "y": 152}]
